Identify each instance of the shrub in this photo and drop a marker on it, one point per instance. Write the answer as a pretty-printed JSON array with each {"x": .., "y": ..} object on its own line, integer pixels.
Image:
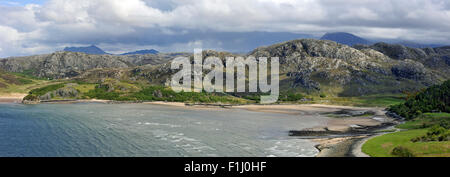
[
  {"x": 436, "y": 130},
  {"x": 436, "y": 133},
  {"x": 322, "y": 95},
  {"x": 31, "y": 98},
  {"x": 290, "y": 97},
  {"x": 401, "y": 151},
  {"x": 46, "y": 89}
]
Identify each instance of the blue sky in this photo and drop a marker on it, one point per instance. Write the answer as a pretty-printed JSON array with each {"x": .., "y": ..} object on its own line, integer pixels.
[
  {"x": 232, "y": 25},
  {"x": 20, "y": 2}
]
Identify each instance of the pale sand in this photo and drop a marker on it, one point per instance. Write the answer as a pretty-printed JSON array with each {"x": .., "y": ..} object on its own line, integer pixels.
[
  {"x": 304, "y": 109},
  {"x": 179, "y": 104},
  {"x": 183, "y": 105},
  {"x": 12, "y": 97},
  {"x": 76, "y": 101}
]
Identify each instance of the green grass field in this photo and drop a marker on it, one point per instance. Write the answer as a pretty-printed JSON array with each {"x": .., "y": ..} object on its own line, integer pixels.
[
  {"x": 426, "y": 120},
  {"x": 382, "y": 146}
]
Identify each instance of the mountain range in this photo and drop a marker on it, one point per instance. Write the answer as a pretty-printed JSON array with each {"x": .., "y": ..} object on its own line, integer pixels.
[
  {"x": 94, "y": 50},
  {"x": 351, "y": 39},
  {"x": 142, "y": 52},
  {"x": 345, "y": 38},
  {"x": 244, "y": 43},
  {"x": 306, "y": 66}
]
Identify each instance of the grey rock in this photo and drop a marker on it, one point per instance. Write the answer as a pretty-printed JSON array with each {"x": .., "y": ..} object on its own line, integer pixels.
[
  {"x": 410, "y": 70},
  {"x": 157, "y": 94},
  {"x": 66, "y": 92}
]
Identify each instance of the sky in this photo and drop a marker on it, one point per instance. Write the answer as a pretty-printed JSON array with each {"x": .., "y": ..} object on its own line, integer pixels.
[{"x": 29, "y": 27}]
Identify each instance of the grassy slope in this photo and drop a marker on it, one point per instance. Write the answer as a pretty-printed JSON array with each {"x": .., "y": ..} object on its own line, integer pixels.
[
  {"x": 382, "y": 146},
  {"x": 18, "y": 83}
]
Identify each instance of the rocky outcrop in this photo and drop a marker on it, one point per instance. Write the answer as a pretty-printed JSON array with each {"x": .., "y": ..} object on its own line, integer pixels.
[
  {"x": 31, "y": 99},
  {"x": 303, "y": 79},
  {"x": 157, "y": 94},
  {"x": 410, "y": 70},
  {"x": 66, "y": 92},
  {"x": 432, "y": 57},
  {"x": 397, "y": 51}
]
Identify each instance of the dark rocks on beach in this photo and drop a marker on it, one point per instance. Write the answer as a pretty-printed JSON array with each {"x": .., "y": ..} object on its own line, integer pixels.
[
  {"x": 350, "y": 113},
  {"x": 352, "y": 131}
]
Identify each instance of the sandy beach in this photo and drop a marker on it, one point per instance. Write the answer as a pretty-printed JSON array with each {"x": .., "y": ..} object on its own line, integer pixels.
[
  {"x": 12, "y": 98},
  {"x": 178, "y": 104}
]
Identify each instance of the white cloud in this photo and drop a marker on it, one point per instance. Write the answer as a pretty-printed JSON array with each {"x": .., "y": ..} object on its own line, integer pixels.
[{"x": 46, "y": 27}]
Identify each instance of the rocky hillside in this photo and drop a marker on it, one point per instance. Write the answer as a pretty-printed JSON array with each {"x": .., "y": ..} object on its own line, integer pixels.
[
  {"x": 306, "y": 65},
  {"x": 316, "y": 66},
  {"x": 70, "y": 64}
]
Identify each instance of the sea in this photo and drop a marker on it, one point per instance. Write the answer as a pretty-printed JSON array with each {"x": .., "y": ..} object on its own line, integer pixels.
[{"x": 145, "y": 130}]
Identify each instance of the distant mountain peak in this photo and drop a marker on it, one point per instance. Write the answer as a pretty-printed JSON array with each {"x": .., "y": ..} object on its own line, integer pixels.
[
  {"x": 345, "y": 38},
  {"x": 92, "y": 49},
  {"x": 142, "y": 52}
]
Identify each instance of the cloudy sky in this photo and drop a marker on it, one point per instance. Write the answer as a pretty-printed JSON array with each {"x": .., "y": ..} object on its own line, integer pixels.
[{"x": 41, "y": 26}]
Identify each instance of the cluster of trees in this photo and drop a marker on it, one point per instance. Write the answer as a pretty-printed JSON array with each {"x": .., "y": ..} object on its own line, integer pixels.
[{"x": 433, "y": 99}]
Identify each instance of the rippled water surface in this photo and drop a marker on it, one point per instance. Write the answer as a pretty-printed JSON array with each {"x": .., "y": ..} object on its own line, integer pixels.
[{"x": 60, "y": 130}]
